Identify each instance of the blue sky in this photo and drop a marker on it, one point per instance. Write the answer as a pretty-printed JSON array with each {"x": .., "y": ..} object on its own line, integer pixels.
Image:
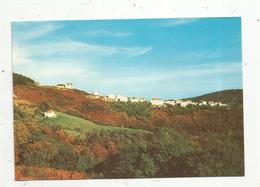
[{"x": 166, "y": 58}]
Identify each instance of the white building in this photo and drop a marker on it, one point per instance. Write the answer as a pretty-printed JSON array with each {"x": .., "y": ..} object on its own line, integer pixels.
[
  {"x": 171, "y": 102},
  {"x": 211, "y": 103},
  {"x": 134, "y": 99},
  {"x": 184, "y": 103},
  {"x": 142, "y": 99},
  {"x": 222, "y": 104},
  {"x": 157, "y": 102},
  {"x": 121, "y": 98},
  {"x": 203, "y": 103},
  {"x": 60, "y": 85},
  {"x": 66, "y": 85},
  {"x": 96, "y": 93},
  {"x": 50, "y": 114}
]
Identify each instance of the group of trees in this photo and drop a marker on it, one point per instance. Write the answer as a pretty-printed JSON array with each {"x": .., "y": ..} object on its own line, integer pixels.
[
  {"x": 22, "y": 80},
  {"x": 170, "y": 154}
]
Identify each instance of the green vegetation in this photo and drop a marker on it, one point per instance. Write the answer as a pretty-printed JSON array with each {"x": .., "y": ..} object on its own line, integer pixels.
[
  {"x": 86, "y": 140},
  {"x": 138, "y": 110},
  {"x": 78, "y": 126},
  {"x": 230, "y": 97},
  {"x": 22, "y": 80}
]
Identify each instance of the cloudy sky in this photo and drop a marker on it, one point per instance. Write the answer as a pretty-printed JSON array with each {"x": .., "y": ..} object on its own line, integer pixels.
[{"x": 167, "y": 58}]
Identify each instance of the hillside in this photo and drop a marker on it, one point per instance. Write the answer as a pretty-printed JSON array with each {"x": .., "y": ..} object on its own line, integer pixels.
[
  {"x": 93, "y": 138},
  {"x": 231, "y": 97},
  {"x": 19, "y": 79},
  {"x": 79, "y": 127}
]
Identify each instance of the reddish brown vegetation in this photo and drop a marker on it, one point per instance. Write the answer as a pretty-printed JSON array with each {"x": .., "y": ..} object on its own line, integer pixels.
[{"x": 40, "y": 173}]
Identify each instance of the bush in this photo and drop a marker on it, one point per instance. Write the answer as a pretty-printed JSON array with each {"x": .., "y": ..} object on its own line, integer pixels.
[
  {"x": 22, "y": 80},
  {"x": 138, "y": 110}
]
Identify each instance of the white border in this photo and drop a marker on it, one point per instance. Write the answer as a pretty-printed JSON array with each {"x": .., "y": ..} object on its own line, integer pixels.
[{"x": 21, "y": 10}]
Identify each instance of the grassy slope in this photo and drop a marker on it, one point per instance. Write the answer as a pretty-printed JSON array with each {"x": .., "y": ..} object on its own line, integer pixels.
[{"x": 71, "y": 123}]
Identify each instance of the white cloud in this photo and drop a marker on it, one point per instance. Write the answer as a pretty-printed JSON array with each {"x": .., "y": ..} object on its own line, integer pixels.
[
  {"x": 75, "y": 48},
  {"x": 136, "y": 51},
  {"x": 109, "y": 33},
  {"x": 47, "y": 69},
  {"x": 179, "y": 21},
  {"x": 33, "y": 32},
  {"x": 19, "y": 56}
]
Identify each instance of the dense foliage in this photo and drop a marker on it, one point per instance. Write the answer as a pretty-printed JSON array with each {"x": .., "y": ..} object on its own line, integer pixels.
[
  {"x": 91, "y": 138},
  {"x": 22, "y": 80}
]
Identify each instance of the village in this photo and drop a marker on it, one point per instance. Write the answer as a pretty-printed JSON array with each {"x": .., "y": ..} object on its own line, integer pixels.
[{"x": 156, "y": 102}]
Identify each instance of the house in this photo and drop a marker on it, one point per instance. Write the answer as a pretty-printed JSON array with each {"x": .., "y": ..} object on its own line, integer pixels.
[
  {"x": 142, "y": 99},
  {"x": 134, "y": 99},
  {"x": 203, "y": 103},
  {"x": 96, "y": 93},
  {"x": 170, "y": 102},
  {"x": 222, "y": 104},
  {"x": 50, "y": 114},
  {"x": 66, "y": 85},
  {"x": 184, "y": 103},
  {"x": 61, "y": 86},
  {"x": 121, "y": 98},
  {"x": 211, "y": 103},
  {"x": 157, "y": 102}
]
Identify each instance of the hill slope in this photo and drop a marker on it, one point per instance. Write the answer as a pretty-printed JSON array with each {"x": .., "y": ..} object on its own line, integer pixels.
[
  {"x": 231, "y": 97},
  {"x": 189, "y": 141},
  {"x": 78, "y": 126}
]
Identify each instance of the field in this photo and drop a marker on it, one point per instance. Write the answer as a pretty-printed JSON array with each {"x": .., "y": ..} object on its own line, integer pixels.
[{"x": 79, "y": 127}]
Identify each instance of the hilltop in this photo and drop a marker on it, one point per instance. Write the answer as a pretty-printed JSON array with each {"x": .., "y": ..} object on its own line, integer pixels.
[{"x": 231, "y": 97}]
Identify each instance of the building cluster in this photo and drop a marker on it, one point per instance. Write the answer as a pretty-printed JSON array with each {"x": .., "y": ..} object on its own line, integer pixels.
[
  {"x": 112, "y": 97},
  {"x": 157, "y": 102},
  {"x": 184, "y": 103}
]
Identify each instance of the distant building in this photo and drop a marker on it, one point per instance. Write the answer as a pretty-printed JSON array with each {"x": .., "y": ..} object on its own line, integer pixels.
[
  {"x": 142, "y": 99},
  {"x": 66, "y": 85},
  {"x": 222, "y": 104},
  {"x": 211, "y": 103},
  {"x": 157, "y": 102},
  {"x": 170, "y": 102},
  {"x": 96, "y": 93},
  {"x": 60, "y": 85},
  {"x": 69, "y": 85},
  {"x": 121, "y": 98},
  {"x": 134, "y": 99},
  {"x": 184, "y": 103},
  {"x": 50, "y": 114}
]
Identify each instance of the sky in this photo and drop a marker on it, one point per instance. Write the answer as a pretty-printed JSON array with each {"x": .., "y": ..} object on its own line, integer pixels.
[{"x": 165, "y": 58}]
